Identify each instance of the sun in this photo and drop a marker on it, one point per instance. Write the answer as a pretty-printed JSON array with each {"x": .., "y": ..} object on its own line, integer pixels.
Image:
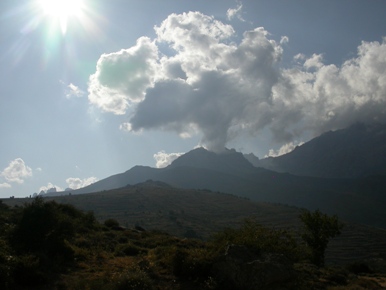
[{"x": 62, "y": 10}]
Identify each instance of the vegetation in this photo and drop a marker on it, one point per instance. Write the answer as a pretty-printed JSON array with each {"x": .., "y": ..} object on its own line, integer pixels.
[
  {"x": 318, "y": 229},
  {"x": 258, "y": 238},
  {"x": 46, "y": 245}
]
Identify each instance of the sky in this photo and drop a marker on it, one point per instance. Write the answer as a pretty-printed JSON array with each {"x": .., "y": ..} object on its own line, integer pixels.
[{"x": 89, "y": 89}]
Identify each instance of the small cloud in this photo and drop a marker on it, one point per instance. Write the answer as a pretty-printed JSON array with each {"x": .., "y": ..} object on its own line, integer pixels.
[
  {"x": 50, "y": 188},
  {"x": 163, "y": 159},
  {"x": 286, "y": 148},
  {"x": 5, "y": 185},
  {"x": 235, "y": 12},
  {"x": 284, "y": 40},
  {"x": 299, "y": 56},
  {"x": 125, "y": 127},
  {"x": 39, "y": 169},
  {"x": 76, "y": 183},
  {"x": 16, "y": 171},
  {"x": 73, "y": 91}
]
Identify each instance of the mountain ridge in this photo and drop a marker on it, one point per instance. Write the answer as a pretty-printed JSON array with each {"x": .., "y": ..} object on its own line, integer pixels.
[
  {"x": 357, "y": 199},
  {"x": 356, "y": 151}
]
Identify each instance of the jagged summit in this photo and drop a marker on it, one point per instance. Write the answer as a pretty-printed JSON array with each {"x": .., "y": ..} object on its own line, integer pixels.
[{"x": 229, "y": 160}]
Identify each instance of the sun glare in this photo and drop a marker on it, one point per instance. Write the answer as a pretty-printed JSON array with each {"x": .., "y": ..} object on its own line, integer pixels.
[{"x": 62, "y": 10}]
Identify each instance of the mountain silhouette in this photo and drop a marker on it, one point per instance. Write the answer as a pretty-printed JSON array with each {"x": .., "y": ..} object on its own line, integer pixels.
[
  {"x": 229, "y": 161},
  {"x": 357, "y": 151},
  {"x": 360, "y": 199}
]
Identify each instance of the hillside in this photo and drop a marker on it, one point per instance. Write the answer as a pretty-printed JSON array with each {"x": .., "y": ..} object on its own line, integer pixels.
[
  {"x": 200, "y": 213},
  {"x": 50, "y": 244},
  {"x": 357, "y": 151}
]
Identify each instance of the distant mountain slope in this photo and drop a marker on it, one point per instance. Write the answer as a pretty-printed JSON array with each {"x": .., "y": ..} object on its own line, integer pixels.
[{"x": 357, "y": 151}]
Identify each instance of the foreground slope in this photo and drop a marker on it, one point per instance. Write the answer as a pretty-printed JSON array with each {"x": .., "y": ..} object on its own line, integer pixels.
[
  {"x": 51, "y": 245},
  {"x": 200, "y": 213}
]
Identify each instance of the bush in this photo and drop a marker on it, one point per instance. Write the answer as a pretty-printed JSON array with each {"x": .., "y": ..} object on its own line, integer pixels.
[
  {"x": 258, "y": 239},
  {"x": 135, "y": 279},
  {"x": 111, "y": 223},
  {"x": 192, "y": 263},
  {"x": 46, "y": 229},
  {"x": 128, "y": 249},
  {"x": 27, "y": 271}
]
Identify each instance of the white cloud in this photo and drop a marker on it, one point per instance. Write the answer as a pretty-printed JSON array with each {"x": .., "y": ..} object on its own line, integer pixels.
[
  {"x": 74, "y": 91},
  {"x": 235, "y": 12},
  {"x": 163, "y": 159},
  {"x": 121, "y": 78},
  {"x": 329, "y": 96},
  {"x": 5, "y": 185},
  {"x": 284, "y": 40},
  {"x": 125, "y": 127},
  {"x": 76, "y": 183},
  {"x": 50, "y": 188},
  {"x": 316, "y": 61},
  {"x": 286, "y": 148},
  {"x": 16, "y": 171},
  {"x": 210, "y": 85}
]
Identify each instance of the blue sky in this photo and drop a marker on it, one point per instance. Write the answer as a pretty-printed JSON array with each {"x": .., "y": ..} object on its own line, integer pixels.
[{"x": 117, "y": 83}]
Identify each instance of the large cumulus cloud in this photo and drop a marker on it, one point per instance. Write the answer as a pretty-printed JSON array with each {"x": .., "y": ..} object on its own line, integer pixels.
[
  {"x": 195, "y": 78},
  {"x": 320, "y": 97},
  {"x": 16, "y": 172}
]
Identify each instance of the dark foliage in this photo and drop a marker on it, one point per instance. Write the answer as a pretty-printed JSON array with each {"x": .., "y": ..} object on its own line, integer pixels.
[
  {"x": 36, "y": 241},
  {"x": 46, "y": 245},
  {"x": 47, "y": 227},
  {"x": 111, "y": 223},
  {"x": 318, "y": 229},
  {"x": 259, "y": 238}
]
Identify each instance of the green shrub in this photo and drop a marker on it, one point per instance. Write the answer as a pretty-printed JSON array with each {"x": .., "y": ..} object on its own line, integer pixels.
[
  {"x": 46, "y": 229},
  {"x": 318, "y": 229},
  {"x": 27, "y": 271},
  {"x": 128, "y": 249},
  {"x": 111, "y": 223},
  {"x": 193, "y": 264},
  {"x": 258, "y": 239}
]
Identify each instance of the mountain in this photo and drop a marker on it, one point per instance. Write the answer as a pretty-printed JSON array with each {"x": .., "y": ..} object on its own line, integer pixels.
[
  {"x": 358, "y": 200},
  {"x": 357, "y": 151},
  {"x": 198, "y": 168},
  {"x": 229, "y": 161}
]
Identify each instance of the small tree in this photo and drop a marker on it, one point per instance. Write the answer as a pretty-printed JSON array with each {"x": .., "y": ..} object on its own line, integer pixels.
[
  {"x": 317, "y": 231},
  {"x": 111, "y": 223}
]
